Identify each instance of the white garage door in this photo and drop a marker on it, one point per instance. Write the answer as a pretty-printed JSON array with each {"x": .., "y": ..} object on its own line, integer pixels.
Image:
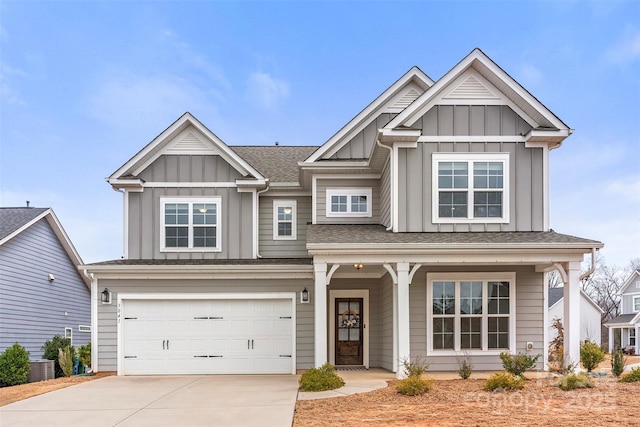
[{"x": 207, "y": 336}]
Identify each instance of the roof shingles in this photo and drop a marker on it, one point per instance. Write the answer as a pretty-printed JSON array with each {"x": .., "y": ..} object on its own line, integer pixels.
[
  {"x": 11, "y": 219},
  {"x": 278, "y": 163}
]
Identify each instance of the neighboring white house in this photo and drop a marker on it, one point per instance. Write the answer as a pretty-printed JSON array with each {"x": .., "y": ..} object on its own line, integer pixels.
[
  {"x": 629, "y": 321},
  {"x": 590, "y": 315}
]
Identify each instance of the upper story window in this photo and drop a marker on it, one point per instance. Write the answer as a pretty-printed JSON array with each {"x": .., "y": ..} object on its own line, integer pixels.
[
  {"x": 284, "y": 219},
  {"x": 470, "y": 187},
  {"x": 636, "y": 304},
  {"x": 190, "y": 224},
  {"x": 353, "y": 202}
]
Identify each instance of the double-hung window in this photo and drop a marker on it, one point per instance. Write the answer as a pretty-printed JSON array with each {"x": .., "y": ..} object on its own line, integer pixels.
[
  {"x": 190, "y": 224},
  {"x": 470, "y": 187},
  {"x": 284, "y": 219},
  {"x": 636, "y": 304},
  {"x": 349, "y": 202},
  {"x": 470, "y": 312}
]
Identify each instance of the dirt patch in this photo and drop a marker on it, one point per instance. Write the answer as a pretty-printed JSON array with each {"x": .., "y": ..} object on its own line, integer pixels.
[
  {"x": 460, "y": 402},
  {"x": 24, "y": 391}
]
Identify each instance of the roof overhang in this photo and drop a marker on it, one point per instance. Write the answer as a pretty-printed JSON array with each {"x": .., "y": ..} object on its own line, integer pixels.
[{"x": 628, "y": 324}]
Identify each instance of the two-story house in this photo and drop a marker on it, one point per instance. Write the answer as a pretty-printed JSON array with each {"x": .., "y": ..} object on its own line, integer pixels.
[
  {"x": 629, "y": 321},
  {"x": 420, "y": 229}
]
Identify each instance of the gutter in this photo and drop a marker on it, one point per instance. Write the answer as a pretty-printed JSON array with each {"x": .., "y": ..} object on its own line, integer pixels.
[
  {"x": 593, "y": 265},
  {"x": 257, "y": 219}
]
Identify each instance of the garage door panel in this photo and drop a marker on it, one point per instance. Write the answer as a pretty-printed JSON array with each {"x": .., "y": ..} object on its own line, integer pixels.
[{"x": 208, "y": 336}]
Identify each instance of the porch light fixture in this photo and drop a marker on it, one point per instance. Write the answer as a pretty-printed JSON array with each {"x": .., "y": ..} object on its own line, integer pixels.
[
  {"x": 304, "y": 296},
  {"x": 105, "y": 296},
  {"x": 358, "y": 266},
  {"x": 287, "y": 211},
  {"x": 203, "y": 210}
]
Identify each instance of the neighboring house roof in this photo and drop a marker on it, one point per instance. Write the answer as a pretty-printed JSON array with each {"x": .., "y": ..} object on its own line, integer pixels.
[
  {"x": 278, "y": 163},
  {"x": 344, "y": 234},
  {"x": 624, "y": 320},
  {"x": 557, "y": 294},
  {"x": 632, "y": 278},
  {"x": 14, "y": 221}
]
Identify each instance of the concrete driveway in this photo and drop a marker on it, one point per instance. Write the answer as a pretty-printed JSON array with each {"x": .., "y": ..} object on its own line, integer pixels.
[{"x": 215, "y": 400}]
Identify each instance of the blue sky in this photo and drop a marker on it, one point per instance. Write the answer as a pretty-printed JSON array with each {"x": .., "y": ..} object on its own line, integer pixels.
[{"x": 85, "y": 85}]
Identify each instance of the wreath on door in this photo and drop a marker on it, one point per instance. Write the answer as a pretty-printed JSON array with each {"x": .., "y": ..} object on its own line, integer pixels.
[{"x": 350, "y": 319}]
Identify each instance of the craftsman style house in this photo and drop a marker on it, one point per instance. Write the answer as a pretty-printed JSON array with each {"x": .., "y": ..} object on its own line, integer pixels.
[
  {"x": 628, "y": 323},
  {"x": 420, "y": 229}
]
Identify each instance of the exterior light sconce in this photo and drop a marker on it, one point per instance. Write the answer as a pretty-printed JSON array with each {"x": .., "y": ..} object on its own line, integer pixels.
[
  {"x": 304, "y": 296},
  {"x": 358, "y": 266},
  {"x": 105, "y": 296}
]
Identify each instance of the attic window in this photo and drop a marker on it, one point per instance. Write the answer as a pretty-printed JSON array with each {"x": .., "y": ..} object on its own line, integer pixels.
[{"x": 190, "y": 224}]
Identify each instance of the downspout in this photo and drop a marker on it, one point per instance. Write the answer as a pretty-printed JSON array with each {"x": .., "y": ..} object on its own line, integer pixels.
[
  {"x": 125, "y": 223},
  {"x": 593, "y": 265},
  {"x": 257, "y": 218},
  {"x": 391, "y": 171}
]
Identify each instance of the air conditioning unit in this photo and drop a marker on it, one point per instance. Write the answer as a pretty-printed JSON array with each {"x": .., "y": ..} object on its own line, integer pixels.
[{"x": 41, "y": 370}]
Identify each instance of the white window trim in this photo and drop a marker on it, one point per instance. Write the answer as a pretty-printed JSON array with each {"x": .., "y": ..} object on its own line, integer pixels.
[
  {"x": 294, "y": 218},
  {"x": 349, "y": 192},
  {"x": 217, "y": 200},
  {"x": 69, "y": 335},
  {"x": 635, "y": 300},
  {"x": 470, "y": 158},
  {"x": 484, "y": 277},
  {"x": 84, "y": 328}
]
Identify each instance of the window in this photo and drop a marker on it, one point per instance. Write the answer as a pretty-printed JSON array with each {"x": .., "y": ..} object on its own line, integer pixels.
[
  {"x": 632, "y": 337},
  {"x": 471, "y": 312},
  {"x": 284, "y": 220},
  {"x": 470, "y": 187},
  {"x": 68, "y": 333},
  {"x": 636, "y": 304},
  {"x": 84, "y": 328},
  {"x": 190, "y": 224},
  {"x": 353, "y": 202}
]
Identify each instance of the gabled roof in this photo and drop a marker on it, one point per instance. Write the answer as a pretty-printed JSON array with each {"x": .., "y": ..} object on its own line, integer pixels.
[
  {"x": 14, "y": 221},
  {"x": 400, "y": 94},
  {"x": 458, "y": 83},
  {"x": 177, "y": 139},
  {"x": 624, "y": 320},
  {"x": 632, "y": 278},
  {"x": 277, "y": 163},
  {"x": 557, "y": 294}
]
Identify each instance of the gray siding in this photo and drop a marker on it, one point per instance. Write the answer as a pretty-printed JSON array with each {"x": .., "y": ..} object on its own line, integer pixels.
[
  {"x": 626, "y": 306},
  {"x": 270, "y": 248},
  {"x": 525, "y": 187},
  {"x": 145, "y": 221},
  {"x": 321, "y": 200},
  {"x": 385, "y": 194},
  {"x": 32, "y": 309},
  {"x": 386, "y": 317},
  {"x": 360, "y": 146},
  {"x": 107, "y": 332},
  {"x": 529, "y": 318},
  {"x": 464, "y": 120},
  {"x": 195, "y": 168}
]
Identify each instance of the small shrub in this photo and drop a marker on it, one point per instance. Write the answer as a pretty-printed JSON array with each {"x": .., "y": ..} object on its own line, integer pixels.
[
  {"x": 414, "y": 368},
  {"x": 84, "y": 354},
  {"x": 519, "y": 363},
  {"x": 591, "y": 355},
  {"x": 502, "y": 381},
  {"x": 573, "y": 381},
  {"x": 321, "y": 379},
  {"x": 14, "y": 366},
  {"x": 464, "y": 368},
  {"x": 414, "y": 385},
  {"x": 50, "y": 351},
  {"x": 618, "y": 362},
  {"x": 631, "y": 377},
  {"x": 65, "y": 358}
]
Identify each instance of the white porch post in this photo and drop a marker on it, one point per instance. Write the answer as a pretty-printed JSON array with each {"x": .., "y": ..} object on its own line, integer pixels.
[
  {"x": 572, "y": 313},
  {"x": 610, "y": 339},
  {"x": 637, "y": 340},
  {"x": 320, "y": 315},
  {"x": 403, "y": 333}
]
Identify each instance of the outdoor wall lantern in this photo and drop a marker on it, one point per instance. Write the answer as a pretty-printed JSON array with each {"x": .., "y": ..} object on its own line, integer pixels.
[
  {"x": 106, "y": 296},
  {"x": 358, "y": 266},
  {"x": 304, "y": 296}
]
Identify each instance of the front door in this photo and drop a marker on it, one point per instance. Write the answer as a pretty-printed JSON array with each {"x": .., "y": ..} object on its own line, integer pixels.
[{"x": 349, "y": 331}]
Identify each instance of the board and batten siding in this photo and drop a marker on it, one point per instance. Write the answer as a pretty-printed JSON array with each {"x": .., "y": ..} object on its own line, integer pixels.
[
  {"x": 385, "y": 194},
  {"x": 107, "y": 313},
  {"x": 416, "y": 187},
  {"x": 529, "y": 318},
  {"x": 190, "y": 168},
  {"x": 626, "y": 306},
  {"x": 270, "y": 248},
  {"x": 32, "y": 309},
  {"x": 360, "y": 146},
  {"x": 346, "y": 183}
]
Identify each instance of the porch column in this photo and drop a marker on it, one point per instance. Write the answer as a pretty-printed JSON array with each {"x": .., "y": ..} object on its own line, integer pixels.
[
  {"x": 610, "y": 339},
  {"x": 572, "y": 313},
  {"x": 320, "y": 315},
  {"x": 637, "y": 340},
  {"x": 403, "y": 333}
]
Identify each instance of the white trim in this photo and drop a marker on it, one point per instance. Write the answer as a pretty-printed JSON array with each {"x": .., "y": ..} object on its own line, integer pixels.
[
  {"x": 484, "y": 277},
  {"x": 255, "y": 199},
  {"x": 125, "y": 223},
  {"x": 201, "y": 296},
  {"x": 633, "y": 304},
  {"x": 470, "y": 158},
  {"x": 395, "y": 186},
  {"x": 314, "y": 200},
  {"x": 69, "y": 335},
  {"x": 190, "y": 201},
  {"x": 346, "y": 293},
  {"x": 94, "y": 322},
  {"x": 294, "y": 218},
  {"x": 472, "y": 138},
  {"x": 192, "y": 184},
  {"x": 545, "y": 320},
  {"x": 348, "y": 193},
  {"x": 84, "y": 328}
]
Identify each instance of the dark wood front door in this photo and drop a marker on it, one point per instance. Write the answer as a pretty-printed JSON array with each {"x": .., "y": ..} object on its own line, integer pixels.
[{"x": 349, "y": 331}]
